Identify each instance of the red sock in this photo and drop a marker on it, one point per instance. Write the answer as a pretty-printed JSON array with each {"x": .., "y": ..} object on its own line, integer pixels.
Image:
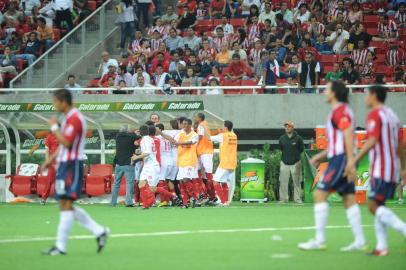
[
  {"x": 210, "y": 186},
  {"x": 150, "y": 196},
  {"x": 137, "y": 198},
  {"x": 225, "y": 191},
  {"x": 165, "y": 195},
  {"x": 202, "y": 186},
  {"x": 185, "y": 196},
  {"x": 143, "y": 196},
  {"x": 190, "y": 190},
  {"x": 219, "y": 191},
  {"x": 196, "y": 187}
]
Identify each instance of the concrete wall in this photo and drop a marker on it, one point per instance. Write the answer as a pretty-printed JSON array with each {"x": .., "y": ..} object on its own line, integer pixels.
[{"x": 249, "y": 111}]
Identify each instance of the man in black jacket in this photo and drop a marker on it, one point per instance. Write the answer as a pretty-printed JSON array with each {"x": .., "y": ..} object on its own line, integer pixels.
[
  {"x": 125, "y": 149},
  {"x": 309, "y": 74},
  {"x": 292, "y": 147}
]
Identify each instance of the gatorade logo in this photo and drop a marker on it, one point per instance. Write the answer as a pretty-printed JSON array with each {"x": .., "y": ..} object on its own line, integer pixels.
[
  {"x": 10, "y": 107},
  {"x": 250, "y": 176},
  {"x": 184, "y": 106}
]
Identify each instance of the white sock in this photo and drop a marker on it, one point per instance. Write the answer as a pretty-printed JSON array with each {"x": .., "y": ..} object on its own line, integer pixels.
[
  {"x": 380, "y": 233},
  {"x": 64, "y": 227},
  {"x": 387, "y": 217},
  {"x": 320, "y": 216},
  {"x": 354, "y": 218},
  {"x": 87, "y": 222}
]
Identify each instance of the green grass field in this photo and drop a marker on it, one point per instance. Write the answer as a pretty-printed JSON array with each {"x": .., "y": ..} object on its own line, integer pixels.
[{"x": 201, "y": 238}]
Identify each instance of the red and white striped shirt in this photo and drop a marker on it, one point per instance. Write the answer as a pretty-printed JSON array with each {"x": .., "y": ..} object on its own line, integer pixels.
[
  {"x": 154, "y": 44},
  {"x": 395, "y": 57},
  {"x": 218, "y": 41},
  {"x": 134, "y": 45},
  {"x": 73, "y": 129},
  {"x": 388, "y": 30},
  {"x": 201, "y": 13},
  {"x": 160, "y": 29},
  {"x": 334, "y": 12},
  {"x": 316, "y": 29},
  {"x": 359, "y": 56},
  {"x": 384, "y": 125},
  {"x": 254, "y": 30},
  {"x": 255, "y": 55},
  {"x": 340, "y": 118},
  {"x": 400, "y": 17}
]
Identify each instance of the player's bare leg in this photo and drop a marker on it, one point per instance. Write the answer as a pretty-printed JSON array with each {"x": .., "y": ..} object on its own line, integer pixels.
[
  {"x": 384, "y": 218},
  {"x": 320, "y": 217},
  {"x": 353, "y": 212},
  {"x": 400, "y": 193}
]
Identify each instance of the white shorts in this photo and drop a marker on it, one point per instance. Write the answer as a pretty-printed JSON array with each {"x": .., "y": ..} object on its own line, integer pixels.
[
  {"x": 167, "y": 172},
  {"x": 206, "y": 162},
  {"x": 174, "y": 173},
  {"x": 137, "y": 170},
  {"x": 223, "y": 175},
  {"x": 187, "y": 173},
  {"x": 151, "y": 175}
]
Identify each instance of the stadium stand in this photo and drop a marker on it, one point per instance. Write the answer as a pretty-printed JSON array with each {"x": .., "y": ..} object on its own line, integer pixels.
[{"x": 380, "y": 24}]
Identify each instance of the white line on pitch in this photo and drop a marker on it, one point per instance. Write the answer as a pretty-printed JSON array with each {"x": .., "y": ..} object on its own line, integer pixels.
[{"x": 149, "y": 234}]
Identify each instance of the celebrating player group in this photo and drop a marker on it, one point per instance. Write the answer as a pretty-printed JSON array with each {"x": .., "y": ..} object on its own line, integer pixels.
[
  {"x": 177, "y": 164},
  {"x": 387, "y": 168}
]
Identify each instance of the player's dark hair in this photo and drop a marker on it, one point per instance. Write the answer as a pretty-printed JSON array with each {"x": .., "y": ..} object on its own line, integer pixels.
[
  {"x": 63, "y": 95},
  {"x": 151, "y": 130},
  {"x": 181, "y": 118},
  {"x": 340, "y": 91},
  {"x": 379, "y": 91},
  {"x": 229, "y": 125},
  {"x": 160, "y": 126},
  {"x": 155, "y": 114},
  {"x": 188, "y": 121},
  {"x": 174, "y": 124},
  {"x": 201, "y": 116},
  {"x": 144, "y": 130},
  {"x": 149, "y": 123},
  {"x": 71, "y": 76}
]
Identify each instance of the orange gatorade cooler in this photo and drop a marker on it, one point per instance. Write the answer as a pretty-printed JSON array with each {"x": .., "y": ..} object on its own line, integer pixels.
[
  {"x": 361, "y": 137},
  {"x": 321, "y": 137},
  {"x": 404, "y": 135}
]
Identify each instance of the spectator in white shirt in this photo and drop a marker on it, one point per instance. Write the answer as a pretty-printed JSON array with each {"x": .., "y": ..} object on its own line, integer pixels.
[
  {"x": 246, "y": 5},
  {"x": 267, "y": 14},
  {"x": 27, "y": 5},
  {"x": 227, "y": 28},
  {"x": 237, "y": 49},
  {"x": 302, "y": 15},
  {"x": 191, "y": 40},
  {"x": 105, "y": 63},
  {"x": 127, "y": 22},
  {"x": 123, "y": 75},
  {"x": 63, "y": 13},
  {"x": 139, "y": 72},
  {"x": 47, "y": 12},
  {"x": 72, "y": 83},
  {"x": 141, "y": 83},
  {"x": 213, "y": 82},
  {"x": 160, "y": 77},
  {"x": 338, "y": 40}
]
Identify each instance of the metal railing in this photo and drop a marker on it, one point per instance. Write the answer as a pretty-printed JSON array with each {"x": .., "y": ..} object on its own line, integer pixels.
[
  {"x": 200, "y": 90},
  {"x": 69, "y": 50}
]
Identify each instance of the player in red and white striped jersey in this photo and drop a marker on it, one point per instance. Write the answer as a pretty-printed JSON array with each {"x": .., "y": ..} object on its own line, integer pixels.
[
  {"x": 395, "y": 55},
  {"x": 387, "y": 164},
  {"x": 340, "y": 153},
  {"x": 359, "y": 55},
  {"x": 69, "y": 176},
  {"x": 387, "y": 28}
]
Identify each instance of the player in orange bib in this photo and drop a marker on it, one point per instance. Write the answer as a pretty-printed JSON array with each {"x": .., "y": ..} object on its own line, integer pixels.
[
  {"x": 186, "y": 162},
  {"x": 205, "y": 152},
  {"x": 228, "y": 161}
]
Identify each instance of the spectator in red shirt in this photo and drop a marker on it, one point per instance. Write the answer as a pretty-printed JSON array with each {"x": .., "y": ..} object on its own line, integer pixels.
[
  {"x": 159, "y": 60},
  {"x": 237, "y": 70},
  {"x": 216, "y": 9},
  {"x": 110, "y": 74},
  {"x": 191, "y": 4},
  {"x": 302, "y": 51}
]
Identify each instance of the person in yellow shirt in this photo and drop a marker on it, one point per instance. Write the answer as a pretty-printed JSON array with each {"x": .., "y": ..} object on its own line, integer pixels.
[
  {"x": 205, "y": 152},
  {"x": 187, "y": 161},
  {"x": 228, "y": 161},
  {"x": 45, "y": 34}
]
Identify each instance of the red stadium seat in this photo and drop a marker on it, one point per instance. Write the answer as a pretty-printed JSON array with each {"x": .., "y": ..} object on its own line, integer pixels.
[
  {"x": 44, "y": 179},
  {"x": 385, "y": 70},
  {"x": 372, "y": 31},
  {"x": 327, "y": 69},
  {"x": 329, "y": 58},
  {"x": 380, "y": 58},
  {"x": 237, "y": 23},
  {"x": 98, "y": 182},
  {"x": 20, "y": 64},
  {"x": 371, "y": 18},
  {"x": 92, "y": 5},
  {"x": 204, "y": 25},
  {"x": 232, "y": 91},
  {"x": 23, "y": 183},
  {"x": 248, "y": 83}
]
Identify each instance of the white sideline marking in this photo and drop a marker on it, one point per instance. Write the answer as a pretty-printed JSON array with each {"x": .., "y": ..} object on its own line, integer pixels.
[
  {"x": 281, "y": 256},
  {"x": 149, "y": 234}
]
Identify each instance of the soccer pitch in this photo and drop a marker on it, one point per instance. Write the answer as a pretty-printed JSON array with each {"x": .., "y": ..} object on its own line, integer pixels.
[{"x": 244, "y": 236}]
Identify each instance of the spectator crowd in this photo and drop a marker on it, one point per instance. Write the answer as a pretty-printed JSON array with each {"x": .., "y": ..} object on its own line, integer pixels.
[
  {"x": 30, "y": 27},
  {"x": 301, "y": 43}
]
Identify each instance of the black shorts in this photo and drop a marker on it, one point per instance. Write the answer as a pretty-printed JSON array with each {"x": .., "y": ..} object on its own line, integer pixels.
[
  {"x": 381, "y": 190},
  {"x": 333, "y": 178},
  {"x": 69, "y": 180}
]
